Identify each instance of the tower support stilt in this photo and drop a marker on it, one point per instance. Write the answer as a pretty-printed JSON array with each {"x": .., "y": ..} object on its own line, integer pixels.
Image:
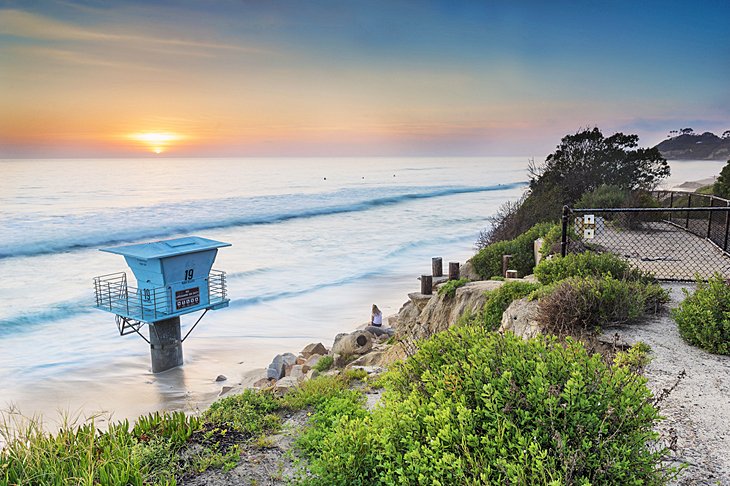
[{"x": 166, "y": 344}]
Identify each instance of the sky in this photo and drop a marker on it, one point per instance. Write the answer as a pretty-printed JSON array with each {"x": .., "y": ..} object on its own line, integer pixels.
[{"x": 96, "y": 78}]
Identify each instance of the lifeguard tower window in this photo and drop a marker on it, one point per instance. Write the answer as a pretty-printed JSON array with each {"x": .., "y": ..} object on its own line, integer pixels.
[{"x": 174, "y": 277}]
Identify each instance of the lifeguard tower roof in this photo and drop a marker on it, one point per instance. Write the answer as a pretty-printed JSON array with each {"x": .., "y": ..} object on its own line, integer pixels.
[{"x": 166, "y": 248}]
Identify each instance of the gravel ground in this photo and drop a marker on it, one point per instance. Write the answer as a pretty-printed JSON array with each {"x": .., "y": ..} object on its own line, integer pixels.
[{"x": 698, "y": 409}]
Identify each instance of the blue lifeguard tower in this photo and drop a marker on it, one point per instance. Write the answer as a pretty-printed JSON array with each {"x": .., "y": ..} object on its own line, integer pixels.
[{"x": 174, "y": 277}]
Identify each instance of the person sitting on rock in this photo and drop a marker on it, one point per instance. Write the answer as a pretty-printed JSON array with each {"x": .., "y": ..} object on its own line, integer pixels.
[{"x": 376, "y": 318}]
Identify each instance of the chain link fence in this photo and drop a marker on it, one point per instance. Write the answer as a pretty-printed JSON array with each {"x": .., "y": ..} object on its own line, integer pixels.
[{"x": 683, "y": 237}]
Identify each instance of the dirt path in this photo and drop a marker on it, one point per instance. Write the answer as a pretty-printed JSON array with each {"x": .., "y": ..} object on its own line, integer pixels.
[{"x": 698, "y": 409}]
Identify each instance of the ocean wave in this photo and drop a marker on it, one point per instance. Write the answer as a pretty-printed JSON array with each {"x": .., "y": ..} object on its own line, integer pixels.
[
  {"x": 118, "y": 226},
  {"x": 27, "y": 321}
]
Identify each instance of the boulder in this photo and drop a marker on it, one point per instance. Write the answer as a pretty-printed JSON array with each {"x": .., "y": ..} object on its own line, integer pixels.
[
  {"x": 221, "y": 378},
  {"x": 373, "y": 358},
  {"x": 279, "y": 365},
  {"x": 262, "y": 383},
  {"x": 355, "y": 343},
  {"x": 298, "y": 372},
  {"x": 314, "y": 348},
  {"x": 313, "y": 360},
  {"x": 284, "y": 385},
  {"x": 521, "y": 319},
  {"x": 311, "y": 374},
  {"x": 225, "y": 390},
  {"x": 467, "y": 271},
  {"x": 380, "y": 331}
]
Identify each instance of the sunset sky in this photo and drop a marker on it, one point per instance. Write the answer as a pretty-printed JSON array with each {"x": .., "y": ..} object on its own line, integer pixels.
[{"x": 239, "y": 78}]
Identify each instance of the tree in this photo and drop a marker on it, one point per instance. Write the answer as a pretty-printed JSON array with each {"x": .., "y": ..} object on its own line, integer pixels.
[
  {"x": 686, "y": 131},
  {"x": 722, "y": 184},
  {"x": 581, "y": 163},
  {"x": 726, "y": 134},
  {"x": 587, "y": 160}
]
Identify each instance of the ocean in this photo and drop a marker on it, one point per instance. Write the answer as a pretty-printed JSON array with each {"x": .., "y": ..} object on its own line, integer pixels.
[{"x": 315, "y": 242}]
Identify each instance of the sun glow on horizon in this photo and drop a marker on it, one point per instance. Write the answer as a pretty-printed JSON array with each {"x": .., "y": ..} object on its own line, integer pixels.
[{"x": 156, "y": 142}]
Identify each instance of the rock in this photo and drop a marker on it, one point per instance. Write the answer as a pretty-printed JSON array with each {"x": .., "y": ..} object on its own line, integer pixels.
[
  {"x": 379, "y": 331},
  {"x": 467, "y": 271},
  {"x": 301, "y": 360},
  {"x": 221, "y": 378},
  {"x": 262, "y": 383},
  {"x": 314, "y": 348},
  {"x": 225, "y": 390},
  {"x": 279, "y": 365},
  {"x": 312, "y": 374},
  {"x": 284, "y": 385},
  {"x": 373, "y": 358},
  {"x": 521, "y": 319},
  {"x": 313, "y": 360},
  {"x": 355, "y": 343},
  {"x": 298, "y": 372}
]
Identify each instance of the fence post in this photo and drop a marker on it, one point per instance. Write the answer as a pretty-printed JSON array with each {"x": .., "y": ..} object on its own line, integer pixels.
[
  {"x": 426, "y": 284},
  {"x": 564, "y": 237},
  {"x": 437, "y": 268},
  {"x": 709, "y": 219},
  {"x": 689, "y": 205},
  {"x": 727, "y": 224},
  {"x": 453, "y": 270},
  {"x": 671, "y": 204}
]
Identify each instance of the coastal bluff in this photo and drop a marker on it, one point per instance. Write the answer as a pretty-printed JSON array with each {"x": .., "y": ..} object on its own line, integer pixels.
[{"x": 706, "y": 146}]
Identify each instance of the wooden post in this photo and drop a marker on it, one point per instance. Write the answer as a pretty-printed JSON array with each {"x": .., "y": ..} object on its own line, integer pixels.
[
  {"x": 453, "y": 270},
  {"x": 426, "y": 284},
  {"x": 437, "y": 267},
  {"x": 505, "y": 264}
]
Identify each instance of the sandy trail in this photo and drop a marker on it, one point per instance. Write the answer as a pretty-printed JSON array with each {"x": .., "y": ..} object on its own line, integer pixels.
[{"x": 698, "y": 409}]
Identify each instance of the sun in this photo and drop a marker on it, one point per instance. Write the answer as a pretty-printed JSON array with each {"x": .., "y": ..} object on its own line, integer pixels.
[{"x": 156, "y": 142}]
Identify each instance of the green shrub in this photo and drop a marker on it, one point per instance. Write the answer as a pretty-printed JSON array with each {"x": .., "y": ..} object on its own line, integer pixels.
[
  {"x": 249, "y": 412},
  {"x": 449, "y": 288},
  {"x": 475, "y": 407},
  {"x": 605, "y": 196},
  {"x": 703, "y": 317},
  {"x": 584, "y": 265},
  {"x": 324, "y": 363},
  {"x": 551, "y": 242},
  {"x": 579, "y": 304},
  {"x": 488, "y": 261},
  {"x": 499, "y": 299}
]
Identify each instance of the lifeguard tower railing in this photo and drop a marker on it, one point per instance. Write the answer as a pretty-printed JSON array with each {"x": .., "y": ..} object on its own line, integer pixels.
[{"x": 114, "y": 294}]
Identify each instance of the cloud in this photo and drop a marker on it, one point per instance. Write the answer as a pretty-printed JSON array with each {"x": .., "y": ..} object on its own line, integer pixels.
[{"x": 17, "y": 23}]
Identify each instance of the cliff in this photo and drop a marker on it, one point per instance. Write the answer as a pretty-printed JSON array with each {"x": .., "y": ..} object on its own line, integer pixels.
[{"x": 707, "y": 146}]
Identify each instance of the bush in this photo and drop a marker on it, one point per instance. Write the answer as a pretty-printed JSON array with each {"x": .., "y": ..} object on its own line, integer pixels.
[
  {"x": 579, "y": 304},
  {"x": 324, "y": 363},
  {"x": 586, "y": 264},
  {"x": 475, "y": 407},
  {"x": 488, "y": 261},
  {"x": 449, "y": 288},
  {"x": 551, "y": 242},
  {"x": 703, "y": 317},
  {"x": 605, "y": 196},
  {"x": 499, "y": 299}
]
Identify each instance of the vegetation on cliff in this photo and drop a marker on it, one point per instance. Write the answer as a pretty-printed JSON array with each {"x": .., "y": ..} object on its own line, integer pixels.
[
  {"x": 581, "y": 163},
  {"x": 684, "y": 144}
]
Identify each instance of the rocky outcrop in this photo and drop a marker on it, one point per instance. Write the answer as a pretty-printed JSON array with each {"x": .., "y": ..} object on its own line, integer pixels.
[
  {"x": 440, "y": 311},
  {"x": 520, "y": 318}
]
